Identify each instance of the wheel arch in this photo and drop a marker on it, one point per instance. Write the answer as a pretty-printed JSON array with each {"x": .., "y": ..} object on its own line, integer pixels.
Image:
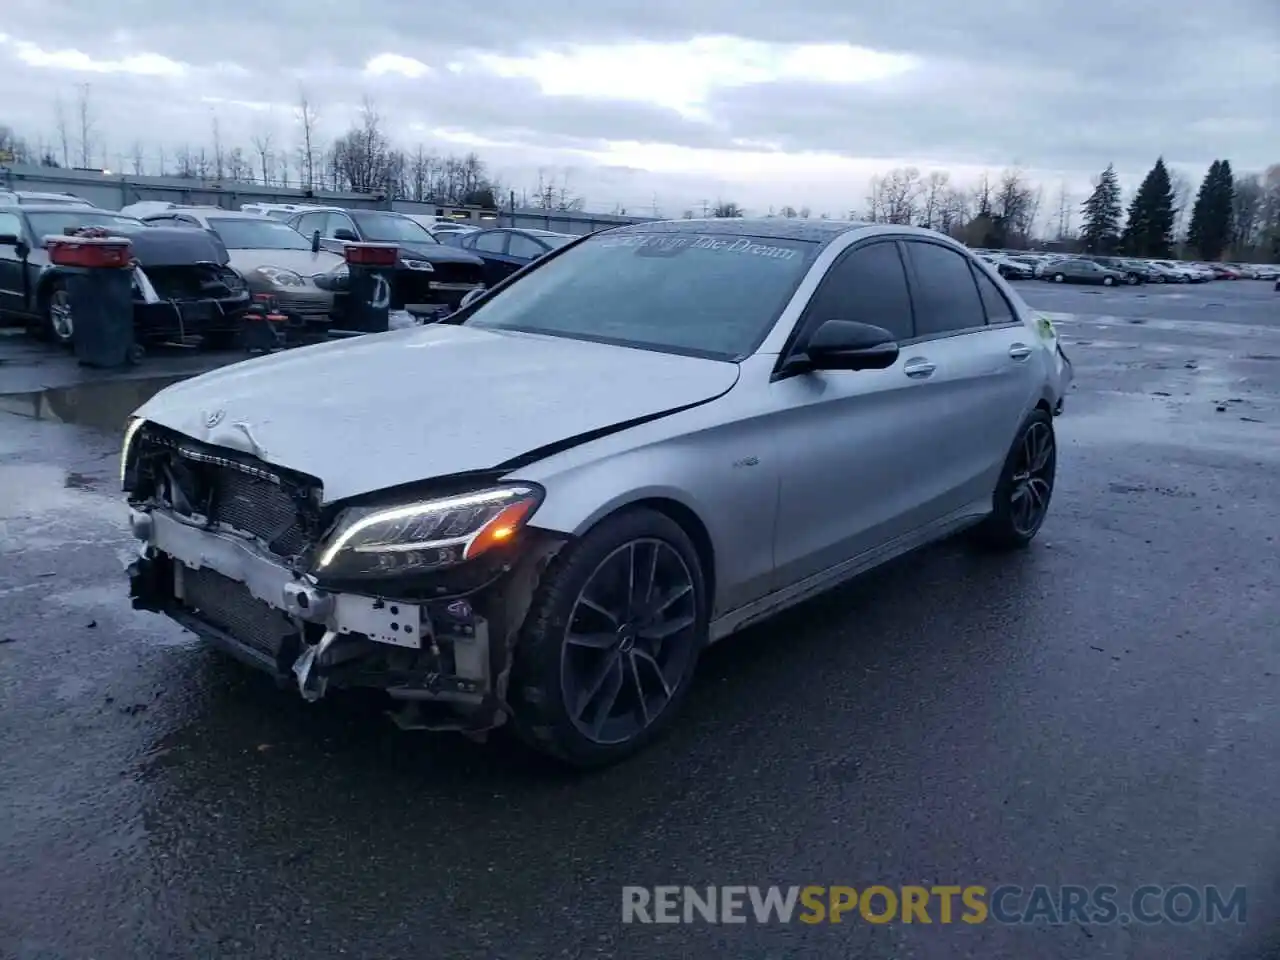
[{"x": 681, "y": 514}]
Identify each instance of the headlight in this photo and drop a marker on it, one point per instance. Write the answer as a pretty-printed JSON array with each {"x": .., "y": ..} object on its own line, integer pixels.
[
  {"x": 130, "y": 431},
  {"x": 282, "y": 277},
  {"x": 422, "y": 265},
  {"x": 421, "y": 537}
]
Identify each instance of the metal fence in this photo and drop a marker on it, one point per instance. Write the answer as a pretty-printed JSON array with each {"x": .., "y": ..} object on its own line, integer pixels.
[{"x": 111, "y": 192}]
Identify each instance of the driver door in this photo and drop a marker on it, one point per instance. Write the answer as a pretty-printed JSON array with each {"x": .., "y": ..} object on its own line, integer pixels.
[
  {"x": 851, "y": 443},
  {"x": 11, "y": 268}
]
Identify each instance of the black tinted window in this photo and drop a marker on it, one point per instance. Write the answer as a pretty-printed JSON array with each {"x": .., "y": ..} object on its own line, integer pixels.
[
  {"x": 868, "y": 286},
  {"x": 945, "y": 295},
  {"x": 998, "y": 308}
]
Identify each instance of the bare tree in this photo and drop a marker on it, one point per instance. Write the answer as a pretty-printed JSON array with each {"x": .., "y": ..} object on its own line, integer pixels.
[
  {"x": 186, "y": 163},
  {"x": 875, "y": 201},
  {"x": 239, "y": 168},
  {"x": 162, "y": 162},
  {"x": 726, "y": 208},
  {"x": 262, "y": 147},
  {"x": 1182, "y": 188},
  {"x": 935, "y": 189},
  {"x": 1247, "y": 208},
  {"x": 85, "y": 124},
  {"x": 953, "y": 212},
  {"x": 1065, "y": 204},
  {"x": 64, "y": 130},
  {"x": 1017, "y": 206},
  {"x": 900, "y": 195},
  {"x": 360, "y": 160},
  {"x": 138, "y": 158},
  {"x": 307, "y": 120},
  {"x": 219, "y": 159}
]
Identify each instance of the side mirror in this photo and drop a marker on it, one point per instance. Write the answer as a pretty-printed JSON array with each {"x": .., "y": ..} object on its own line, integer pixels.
[
  {"x": 9, "y": 239},
  {"x": 846, "y": 345},
  {"x": 315, "y": 242},
  {"x": 342, "y": 233},
  {"x": 471, "y": 297}
]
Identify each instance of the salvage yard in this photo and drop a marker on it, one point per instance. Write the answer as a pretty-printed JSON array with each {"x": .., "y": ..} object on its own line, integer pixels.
[{"x": 1100, "y": 710}]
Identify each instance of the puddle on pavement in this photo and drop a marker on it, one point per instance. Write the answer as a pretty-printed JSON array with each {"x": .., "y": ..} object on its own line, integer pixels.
[{"x": 104, "y": 404}]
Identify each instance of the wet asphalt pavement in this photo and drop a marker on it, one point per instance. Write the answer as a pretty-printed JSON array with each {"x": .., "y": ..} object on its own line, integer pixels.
[{"x": 1099, "y": 710}]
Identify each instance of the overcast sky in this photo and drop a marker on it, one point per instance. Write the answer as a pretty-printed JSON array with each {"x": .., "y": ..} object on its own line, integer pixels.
[{"x": 764, "y": 103}]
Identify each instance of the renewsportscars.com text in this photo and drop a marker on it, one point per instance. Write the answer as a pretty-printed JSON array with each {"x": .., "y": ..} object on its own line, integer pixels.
[{"x": 969, "y": 904}]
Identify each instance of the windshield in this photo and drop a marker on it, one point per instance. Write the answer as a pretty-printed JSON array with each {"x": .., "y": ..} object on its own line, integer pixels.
[
  {"x": 56, "y": 224},
  {"x": 246, "y": 234},
  {"x": 389, "y": 228},
  {"x": 706, "y": 295}
]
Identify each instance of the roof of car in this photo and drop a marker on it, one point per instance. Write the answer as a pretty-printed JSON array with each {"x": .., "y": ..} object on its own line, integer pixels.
[
  {"x": 773, "y": 228},
  {"x": 68, "y": 207}
]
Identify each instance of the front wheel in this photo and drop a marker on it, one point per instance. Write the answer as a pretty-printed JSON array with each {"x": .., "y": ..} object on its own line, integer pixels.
[
  {"x": 59, "y": 325},
  {"x": 1107, "y": 282},
  {"x": 1025, "y": 487},
  {"x": 1059, "y": 278},
  {"x": 608, "y": 650}
]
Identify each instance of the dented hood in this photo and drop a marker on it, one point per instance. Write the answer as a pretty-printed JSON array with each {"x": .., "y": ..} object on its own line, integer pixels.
[{"x": 381, "y": 410}]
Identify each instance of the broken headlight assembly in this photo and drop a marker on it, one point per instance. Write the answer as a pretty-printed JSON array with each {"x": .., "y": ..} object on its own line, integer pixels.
[{"x": 378, "y": 542}]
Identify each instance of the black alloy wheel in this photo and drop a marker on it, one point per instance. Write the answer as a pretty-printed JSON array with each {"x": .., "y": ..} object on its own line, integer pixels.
[
  {"x": 629, "y": 640},
  {"x": 1021, "y": 500},
  {"x": 610, "y": 645}
]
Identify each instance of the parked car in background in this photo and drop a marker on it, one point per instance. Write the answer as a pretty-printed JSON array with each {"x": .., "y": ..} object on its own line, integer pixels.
[
  {"x": 10, "y": 198},
  {"x": 559, "y": 555},
  {"x": 1172, "y": 272},
  {"x": 430, "y": 274},
  {"x": 183, "y": 284},
  {"x": 1007, "y": 267},
  {"x": 1267, "y": 271},
  {"x": 273, "y": 258},
  {"x": 1082, "y": 271},
  {"x": 505, "y": 250},
  {"x": 1225, "y": 271},
  {"x": 278, "y": 211},
  {"x": 1133, "y": 275}
]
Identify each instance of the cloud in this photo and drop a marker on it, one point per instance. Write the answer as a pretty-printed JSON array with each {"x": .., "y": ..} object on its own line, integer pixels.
[{"x": 772, "y": 102}]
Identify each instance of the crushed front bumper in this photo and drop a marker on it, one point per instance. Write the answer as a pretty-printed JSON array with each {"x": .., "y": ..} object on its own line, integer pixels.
[{"x": 446, "y": 657}]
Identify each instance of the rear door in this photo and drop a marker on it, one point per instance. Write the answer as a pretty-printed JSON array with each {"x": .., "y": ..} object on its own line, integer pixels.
[
  {"x": 491, "y": 246},
  {"x": 975, "y": 364}
]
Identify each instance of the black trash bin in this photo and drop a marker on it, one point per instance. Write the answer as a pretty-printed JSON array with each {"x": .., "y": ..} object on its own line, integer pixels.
[
  {"x": 372, "y": 269},
  {"x": 99, "y": 281}
]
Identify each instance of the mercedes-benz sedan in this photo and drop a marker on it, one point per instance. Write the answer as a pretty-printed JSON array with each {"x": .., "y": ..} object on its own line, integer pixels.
[{"x": 542, "y": 509}]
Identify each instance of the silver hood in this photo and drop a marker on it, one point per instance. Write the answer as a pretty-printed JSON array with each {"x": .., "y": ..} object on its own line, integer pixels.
[
  {"x": 304, "y": 262},
  {"x": 370, "y": 413}
]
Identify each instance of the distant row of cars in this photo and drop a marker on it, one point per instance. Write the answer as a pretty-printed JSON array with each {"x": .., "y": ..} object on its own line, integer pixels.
[
  {"x": 1118, "y": 271},
  {"x": 195, "y": 277}
]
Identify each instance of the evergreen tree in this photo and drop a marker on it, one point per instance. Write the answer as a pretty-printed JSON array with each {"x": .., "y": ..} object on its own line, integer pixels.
[
  {"x": 1102, "y": 212},
  {"x": 1211, "y": 217},
  {"x": 1149, "y": 231}
]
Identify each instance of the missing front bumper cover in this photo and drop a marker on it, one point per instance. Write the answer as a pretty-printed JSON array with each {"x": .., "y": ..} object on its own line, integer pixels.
[{"x": 447, "y": 661}]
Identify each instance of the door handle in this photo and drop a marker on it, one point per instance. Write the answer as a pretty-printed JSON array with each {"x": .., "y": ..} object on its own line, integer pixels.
[
  {"x": 919, "y": 368},
  {"x": 1019, "y": 351}
]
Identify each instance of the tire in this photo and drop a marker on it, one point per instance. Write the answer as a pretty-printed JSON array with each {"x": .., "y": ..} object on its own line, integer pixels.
[
  {"x": 1059, "y": 278},
  {"x": 1108, "y": 282},
  {"x": 1131, "y": 280},
  {"x": 548, "y": 668},
  {"x": 60, "y": 330},
  {"x": 1005, "y": 528}
]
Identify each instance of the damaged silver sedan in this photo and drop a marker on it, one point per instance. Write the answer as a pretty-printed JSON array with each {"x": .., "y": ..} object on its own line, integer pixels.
[{"x": 540, "y": 510}]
